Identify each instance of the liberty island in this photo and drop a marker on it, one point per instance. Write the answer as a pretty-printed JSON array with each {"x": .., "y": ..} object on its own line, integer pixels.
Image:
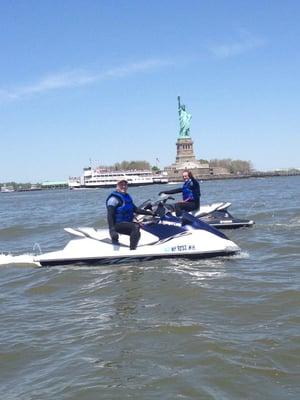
[{"x": 100, "y": 176}]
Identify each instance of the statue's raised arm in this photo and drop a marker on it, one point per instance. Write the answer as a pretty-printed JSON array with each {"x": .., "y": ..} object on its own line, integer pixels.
[
  {"x": 184, "y": 120},
  {"x": 178, "y": 98}
]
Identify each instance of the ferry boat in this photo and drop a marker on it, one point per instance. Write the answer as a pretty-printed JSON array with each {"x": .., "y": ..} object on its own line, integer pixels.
[
  {"x": 7, "y": 189},
  {"x": 104, "y": 178}
]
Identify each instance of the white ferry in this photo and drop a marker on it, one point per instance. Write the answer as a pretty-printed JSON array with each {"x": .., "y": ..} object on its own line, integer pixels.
[
  {"x": 7, "y": 189},
  {"x": 103, "y": 178}
]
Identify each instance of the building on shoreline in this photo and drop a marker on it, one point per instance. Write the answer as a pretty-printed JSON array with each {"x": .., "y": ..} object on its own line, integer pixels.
[{"x": 54, "y": 185}]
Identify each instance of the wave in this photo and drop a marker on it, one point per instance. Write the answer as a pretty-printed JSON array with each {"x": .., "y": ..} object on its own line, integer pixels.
[{"x": 21, "y": 230}]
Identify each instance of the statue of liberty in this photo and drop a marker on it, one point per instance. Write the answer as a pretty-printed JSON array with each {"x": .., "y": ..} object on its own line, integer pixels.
[{"x": 184, "y": 120}]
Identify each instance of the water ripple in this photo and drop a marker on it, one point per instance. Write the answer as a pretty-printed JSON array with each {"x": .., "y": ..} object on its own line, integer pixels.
[{"x": 224, "y": 328}]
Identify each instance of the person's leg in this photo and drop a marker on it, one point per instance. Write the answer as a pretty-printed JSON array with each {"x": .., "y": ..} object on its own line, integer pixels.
[
  {"x": 178, "y": 209},
  {"x": 188, "y": 206},
  {"x": 132, "y": 229},
  {"x": 134, "y": 236}
]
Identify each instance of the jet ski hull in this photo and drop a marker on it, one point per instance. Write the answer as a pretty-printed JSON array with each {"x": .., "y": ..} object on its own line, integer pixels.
[
  {"x": 126, "y": 260},
  {"x": 217, "y": 215},
  {"x": 227, "y": 223},
  {"x": 158, "y": 241}
]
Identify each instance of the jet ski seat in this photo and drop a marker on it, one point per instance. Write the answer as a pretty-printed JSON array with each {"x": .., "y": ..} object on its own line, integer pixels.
[{"x": 103, "y": 236}]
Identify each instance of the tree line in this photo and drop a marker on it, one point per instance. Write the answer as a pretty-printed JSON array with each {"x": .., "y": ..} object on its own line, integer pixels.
[
  {"x": 131, "y": 165},
  {"x": 233, "y": 166},
  {"x": 17, "y": 186}
]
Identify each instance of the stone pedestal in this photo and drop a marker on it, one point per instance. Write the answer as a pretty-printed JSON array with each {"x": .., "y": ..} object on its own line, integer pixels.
[
  {"x": 186, "y": 160},
  {"x": 185, "y": 150}
]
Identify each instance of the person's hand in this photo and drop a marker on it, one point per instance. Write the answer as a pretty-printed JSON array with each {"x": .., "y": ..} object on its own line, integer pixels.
[{"x": 114, "y": 235}]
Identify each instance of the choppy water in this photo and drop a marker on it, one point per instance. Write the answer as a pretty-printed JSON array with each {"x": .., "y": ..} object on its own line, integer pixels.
[{"x": 210, "y": 329}]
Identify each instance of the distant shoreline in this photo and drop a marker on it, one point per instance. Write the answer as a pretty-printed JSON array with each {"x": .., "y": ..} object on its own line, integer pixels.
[
  {"x": 240, "y": 176},
  {"x": 257, "y": 174}
]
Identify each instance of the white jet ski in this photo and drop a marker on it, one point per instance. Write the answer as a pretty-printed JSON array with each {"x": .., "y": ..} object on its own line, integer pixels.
[
  {"x": 215, "y": 214},
  {"x": 161, "y": 237}
]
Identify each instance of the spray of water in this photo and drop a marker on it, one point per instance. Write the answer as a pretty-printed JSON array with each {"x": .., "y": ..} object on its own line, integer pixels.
[
  {"x": 36, "y": 249},
  {"x": 20, "y": 260}
]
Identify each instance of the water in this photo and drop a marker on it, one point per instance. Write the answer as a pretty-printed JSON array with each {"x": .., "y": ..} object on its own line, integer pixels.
[{"x": 225, "y": 328}]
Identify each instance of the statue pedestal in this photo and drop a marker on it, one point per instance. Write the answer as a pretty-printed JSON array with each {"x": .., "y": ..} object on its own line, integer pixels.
[
  {"x": 186, "y": 160},
  {"x": 185, "y": 150}
]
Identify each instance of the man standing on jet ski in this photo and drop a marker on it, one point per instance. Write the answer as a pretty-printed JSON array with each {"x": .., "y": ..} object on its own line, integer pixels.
[
  {"x": 120, "y": 214},
  {"x": 190, "y": 194}
]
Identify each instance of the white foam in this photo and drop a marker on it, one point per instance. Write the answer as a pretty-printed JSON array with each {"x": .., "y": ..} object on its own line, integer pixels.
[
  {"x": 8, "y": 259},
  {"x": 241, "y": 254},
  {"x": 293, "y": 223}
]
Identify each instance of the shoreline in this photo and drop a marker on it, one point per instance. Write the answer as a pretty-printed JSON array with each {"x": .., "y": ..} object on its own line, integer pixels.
[
  {"x": 235, "y": 176},
  {"x": 270, "y": 174}
]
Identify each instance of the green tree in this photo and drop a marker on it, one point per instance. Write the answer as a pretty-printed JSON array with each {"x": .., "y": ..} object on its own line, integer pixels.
[
  {"x": 233, "y": 166},
  {"x": 131, "y": 165},
  {"x": 155, "y": 169}
]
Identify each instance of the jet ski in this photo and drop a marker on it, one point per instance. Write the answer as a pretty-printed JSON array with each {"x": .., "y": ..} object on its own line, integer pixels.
[
  {"x": 163, "y": 236},
  {"x": 215, "y": 214}
]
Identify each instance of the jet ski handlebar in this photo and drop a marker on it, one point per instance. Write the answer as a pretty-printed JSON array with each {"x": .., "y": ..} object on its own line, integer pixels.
[
  {"x": 164, "y": 200},
  {"x": 149, "y": 204},
  {"x": 159, "y": 207}
]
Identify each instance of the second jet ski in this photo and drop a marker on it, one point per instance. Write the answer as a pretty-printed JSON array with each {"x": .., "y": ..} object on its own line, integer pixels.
[{"x": 215, "y": 214}]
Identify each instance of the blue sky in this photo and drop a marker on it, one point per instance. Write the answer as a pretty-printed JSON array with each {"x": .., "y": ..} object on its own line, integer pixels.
[{"x": 99, "y": 80}]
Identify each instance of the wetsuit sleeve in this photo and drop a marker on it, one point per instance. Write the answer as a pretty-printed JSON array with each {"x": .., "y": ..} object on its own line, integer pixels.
[
  {"x": 144, "y": 212},
  {"x": 138, "y": 210},
  {"x": 196, "y": 187},
  {"x": 173, "y": 191},
  {"x": 112, "y": 204},
  {"x": 111, "y": 216},
  {"x": 113, "y": 201}
]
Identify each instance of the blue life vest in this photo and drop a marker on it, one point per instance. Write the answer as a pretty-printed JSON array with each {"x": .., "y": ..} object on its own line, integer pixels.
[
  {"x": 124, "y": 212},
  {"x": 191, "y": 190}
]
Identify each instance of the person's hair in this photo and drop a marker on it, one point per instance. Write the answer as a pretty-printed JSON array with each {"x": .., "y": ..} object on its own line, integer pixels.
[{"x": 190, "y": 175}]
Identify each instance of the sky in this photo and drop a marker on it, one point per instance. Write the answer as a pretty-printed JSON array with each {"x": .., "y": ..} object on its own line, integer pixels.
[{"x": 96, "y": 82}]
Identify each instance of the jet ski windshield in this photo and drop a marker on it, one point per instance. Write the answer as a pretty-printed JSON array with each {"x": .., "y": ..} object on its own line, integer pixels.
[{"x": 160, "y": 210}]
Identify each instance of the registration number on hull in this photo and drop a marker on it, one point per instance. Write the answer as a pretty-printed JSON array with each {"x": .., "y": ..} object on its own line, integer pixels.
[{"x": 182, "y": 247}]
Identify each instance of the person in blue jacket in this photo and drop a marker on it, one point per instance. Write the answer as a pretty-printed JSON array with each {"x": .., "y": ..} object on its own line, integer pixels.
[
  {"x": 190, "y": 194},
  {"x": 120, "y": 214}
]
